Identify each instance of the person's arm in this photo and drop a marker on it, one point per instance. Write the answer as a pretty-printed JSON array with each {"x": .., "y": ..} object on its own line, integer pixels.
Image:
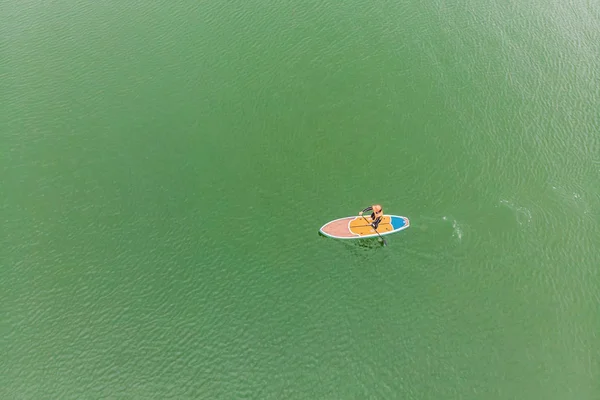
[{"x": 370, "y": 208}]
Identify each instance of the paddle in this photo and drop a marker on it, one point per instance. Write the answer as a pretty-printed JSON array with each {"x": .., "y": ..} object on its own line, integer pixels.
[{"x": 381, "y": 237}]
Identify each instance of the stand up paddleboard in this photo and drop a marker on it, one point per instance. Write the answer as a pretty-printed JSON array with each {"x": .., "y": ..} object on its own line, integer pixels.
[{"x": 357, "y": 228}]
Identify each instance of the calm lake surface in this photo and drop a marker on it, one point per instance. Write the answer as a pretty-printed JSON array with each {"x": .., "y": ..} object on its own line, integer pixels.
[{"x": 166, "y": 167}]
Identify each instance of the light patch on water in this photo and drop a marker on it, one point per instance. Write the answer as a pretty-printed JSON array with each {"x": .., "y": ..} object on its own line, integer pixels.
[
  {"x": 522, "y": 214},
  {"x": 456, "y": 229},
  {"x": 574, "y": 199}
]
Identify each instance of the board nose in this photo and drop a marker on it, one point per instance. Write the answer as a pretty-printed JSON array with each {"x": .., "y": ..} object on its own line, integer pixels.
[{"x": 398, "y": 222}]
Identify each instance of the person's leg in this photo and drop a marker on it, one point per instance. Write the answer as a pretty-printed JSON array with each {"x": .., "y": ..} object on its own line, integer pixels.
[{"x": 375, "y": 223}]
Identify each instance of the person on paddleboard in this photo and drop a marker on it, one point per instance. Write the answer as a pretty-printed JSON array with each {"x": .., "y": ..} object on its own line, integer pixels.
[{"x": 376, "y": 214}]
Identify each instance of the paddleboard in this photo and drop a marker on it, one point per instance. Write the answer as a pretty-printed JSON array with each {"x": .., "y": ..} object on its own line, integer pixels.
[{"x": 357, "y": 228}]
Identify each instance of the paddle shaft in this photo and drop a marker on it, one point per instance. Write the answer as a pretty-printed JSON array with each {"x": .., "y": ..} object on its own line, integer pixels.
[{"x": 382, "y": 239}]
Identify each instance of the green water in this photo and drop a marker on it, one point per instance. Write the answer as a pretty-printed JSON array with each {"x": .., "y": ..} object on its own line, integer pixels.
[{"x": 166, "y": 167}]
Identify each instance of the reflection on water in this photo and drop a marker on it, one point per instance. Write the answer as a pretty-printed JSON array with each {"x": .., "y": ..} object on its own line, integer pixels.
[{"x": 368, "y": 244}]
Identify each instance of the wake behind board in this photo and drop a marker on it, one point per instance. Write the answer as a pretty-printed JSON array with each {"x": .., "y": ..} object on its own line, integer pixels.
[{"x": 357, "y": 228}]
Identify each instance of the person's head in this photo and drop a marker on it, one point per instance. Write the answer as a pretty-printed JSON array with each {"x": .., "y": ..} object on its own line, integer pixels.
[{"x": 377, "y": 209}]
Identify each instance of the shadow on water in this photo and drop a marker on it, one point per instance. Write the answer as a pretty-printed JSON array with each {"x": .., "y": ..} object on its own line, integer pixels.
[{"x": 358, "y": 246}]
